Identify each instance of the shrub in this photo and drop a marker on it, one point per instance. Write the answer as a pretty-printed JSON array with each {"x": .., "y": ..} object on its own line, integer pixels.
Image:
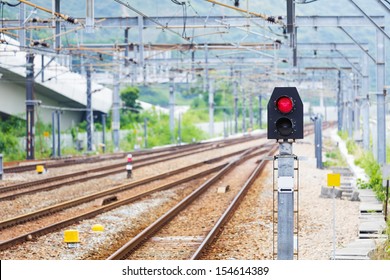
[{"x": 372, "y": 168}]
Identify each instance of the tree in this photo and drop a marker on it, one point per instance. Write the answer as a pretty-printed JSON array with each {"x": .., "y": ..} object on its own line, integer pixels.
[{"x": 129, "y": 96}]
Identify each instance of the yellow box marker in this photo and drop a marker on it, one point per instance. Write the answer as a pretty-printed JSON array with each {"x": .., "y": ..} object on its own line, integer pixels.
[
  {"x": 71, "y": 237},
  {"x": 98, "y": 227},
  {"x": 334, "y": 180},
  {"x": 40, "y": 169}
]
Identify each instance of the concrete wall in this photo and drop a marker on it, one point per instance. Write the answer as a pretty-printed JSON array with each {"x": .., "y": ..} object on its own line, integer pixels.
[
  {"x": 12, "y": 102},
  {"x": 60, "y": 88}
]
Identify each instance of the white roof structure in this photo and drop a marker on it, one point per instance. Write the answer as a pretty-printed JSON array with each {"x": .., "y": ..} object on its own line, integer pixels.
[{"x": 59, "y": 82}]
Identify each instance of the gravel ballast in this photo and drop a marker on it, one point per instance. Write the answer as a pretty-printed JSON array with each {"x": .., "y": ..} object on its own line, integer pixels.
[{"x": 248, "y": 235}]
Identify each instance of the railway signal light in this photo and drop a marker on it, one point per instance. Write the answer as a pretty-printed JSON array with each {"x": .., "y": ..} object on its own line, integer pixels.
[{"x": 285, "y": 114}]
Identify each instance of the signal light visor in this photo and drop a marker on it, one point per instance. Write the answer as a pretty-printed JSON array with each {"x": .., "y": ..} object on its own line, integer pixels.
[
  {"x": 284, "y": 126},
  {"x": 284, "y": 104}
]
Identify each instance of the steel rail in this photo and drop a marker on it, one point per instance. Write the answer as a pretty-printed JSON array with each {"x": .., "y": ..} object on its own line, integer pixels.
[
  {"x": 62, "y": 224},
  {"x": 71, "y": 203},
  {"x": 127, "y": 249},
  {"x": 229, "y": 212},
  {"x": 134, "y": 243},
  {"x": 53, "y": 227},
  {"x": 10, "y": 168},
  {"x": 141, "y": 162},
  {"x": 56, "y": 226},
  {"x": 138, "y": 163}
]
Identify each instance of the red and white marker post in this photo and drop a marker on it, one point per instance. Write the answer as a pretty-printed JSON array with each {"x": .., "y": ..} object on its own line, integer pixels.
[{"x": 129, "y": 166}]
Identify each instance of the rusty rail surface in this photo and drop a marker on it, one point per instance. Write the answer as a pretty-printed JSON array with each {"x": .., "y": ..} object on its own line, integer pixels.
[
  {"x": 134, "y": 243},
  {"x": 108, "y": 170},
  {"x": 45, "y": 230}
]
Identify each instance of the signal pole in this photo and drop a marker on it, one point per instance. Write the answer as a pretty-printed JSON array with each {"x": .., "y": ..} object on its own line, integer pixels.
[
  {"x": 115, "y": 124},
  {"x": 89, "y": 115},
  {"x": 235, "y": 94},
  {"x": 285, "y": 201},
  {"x": 172, "y": 105},
  {"x": 260, "y": 112},
  {"x": 211, "y": 108},
  {"x": 30, "y": 107},
  {"x": 285, "y": 124}
]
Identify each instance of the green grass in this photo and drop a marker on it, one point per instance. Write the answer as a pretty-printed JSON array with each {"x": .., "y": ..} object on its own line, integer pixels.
[
  {"x": 333, "y": 156},
  {"x": 366, "y": 160},
  {"x": 383, "y": 251}
]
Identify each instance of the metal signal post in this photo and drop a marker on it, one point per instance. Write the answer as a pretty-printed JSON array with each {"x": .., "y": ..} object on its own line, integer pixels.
[{"x": 285, "y": 124}]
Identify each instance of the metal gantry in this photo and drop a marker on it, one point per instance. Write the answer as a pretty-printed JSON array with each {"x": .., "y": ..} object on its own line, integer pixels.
[{"x": 142, "y": 22}]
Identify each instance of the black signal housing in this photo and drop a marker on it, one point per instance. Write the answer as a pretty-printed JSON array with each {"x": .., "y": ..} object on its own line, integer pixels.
[{"x": 285, "y": 114}]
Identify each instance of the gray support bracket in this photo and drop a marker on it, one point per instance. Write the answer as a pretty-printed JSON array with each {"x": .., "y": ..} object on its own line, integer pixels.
[
  {"x": 358, "y": 44},
  {"x": 379, "y": 28},
  {"x": 350, "y": 63},
  {"x": 43, "y": 68}
]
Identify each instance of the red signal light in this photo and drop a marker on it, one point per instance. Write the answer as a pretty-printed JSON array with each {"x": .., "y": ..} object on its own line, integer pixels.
[
  {"x": 284, "y": 104},
  {"x": 285, "y": 114}
]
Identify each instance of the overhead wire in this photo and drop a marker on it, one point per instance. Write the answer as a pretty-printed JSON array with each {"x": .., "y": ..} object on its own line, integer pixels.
[
  {"x": 308, "y": 2},
  {"x": 151, "y": 19},
  {"x": 183, "y": 35},
  {"x": 64, "y": 17},
  {"x": 184, "y": 12},
  {"x": 2, "y": 3},
  {"x": 272, "y": 19}
]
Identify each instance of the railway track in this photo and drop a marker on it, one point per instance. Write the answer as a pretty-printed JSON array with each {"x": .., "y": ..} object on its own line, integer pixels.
[
  {"x": 188, "y": 246},
  {"x": 46, "y": 184},
  {"x": 32, "y": 235},
  {"x": 62, "y": 206},
  {"x": 50, "y": 210},
  {"x": 23, "y": 166},
  {"x": 85, "y": 175},
  {"x": 199, "y": 243}
]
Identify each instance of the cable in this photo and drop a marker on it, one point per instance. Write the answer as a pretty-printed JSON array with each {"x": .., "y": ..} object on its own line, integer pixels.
[
  {"x": 2, "y": 22},
  {"x": 183, "y": 4},
  {"x": 151, "y": 19},
  {"x": 271, "y": 19},
  {"x": 305, "y": 2},
  {"x": 178, "y": 3},
  {"x": 11, "y": 5},
  {"x": 184, "y": 21},
  {"x": 192, "y": 7},
  {"x": 64, "y": 17}
]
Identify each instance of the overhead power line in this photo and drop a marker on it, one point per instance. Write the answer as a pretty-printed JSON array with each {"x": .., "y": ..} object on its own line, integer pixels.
[
  {"x": 151, "y": 19},
  {"x": 9, "y": 4},
  {"x": 64, "y": 17},
  {"x": 263, "y": 16},
  {"x": 306, "y": 2}
]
